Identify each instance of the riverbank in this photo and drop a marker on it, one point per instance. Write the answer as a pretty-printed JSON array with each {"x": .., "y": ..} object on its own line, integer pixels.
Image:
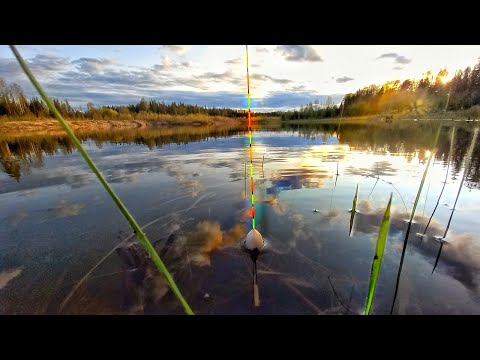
[
  {"x": 52, "y": 125},
  {"x": 469, "y": 115},
  {"x": 28, "y": 126}
]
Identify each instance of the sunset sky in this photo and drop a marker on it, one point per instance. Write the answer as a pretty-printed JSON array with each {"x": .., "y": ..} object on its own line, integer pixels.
[{"x": 282, "y": 76}]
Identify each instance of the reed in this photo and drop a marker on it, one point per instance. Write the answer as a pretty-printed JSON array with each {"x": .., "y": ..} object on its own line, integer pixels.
[
  {"x": 466, "y": 170},
  {"x": 377, "y": 258},
  {"x": 405, "y": 241},
  {"x": 450, "y": 154},
  {"x": 354, "y": 210}
]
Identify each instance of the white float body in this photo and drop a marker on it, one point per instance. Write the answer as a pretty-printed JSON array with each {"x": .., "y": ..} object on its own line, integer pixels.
[{"x": 254, "y": 240}]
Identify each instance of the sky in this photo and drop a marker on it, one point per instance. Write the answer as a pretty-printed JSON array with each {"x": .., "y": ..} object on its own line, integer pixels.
[{"x": 281, "y": 76}]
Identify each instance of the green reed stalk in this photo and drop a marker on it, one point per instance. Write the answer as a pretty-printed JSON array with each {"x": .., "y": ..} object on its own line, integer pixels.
[
  {"x": 466, "y": 170},
  {"x": 377, "y": 258},
  {"x": 136, "y": 228},
  {"x": 450, "y": 156},
  {"x": 405, "y": 241},
  {"x": 354, "y": 210}
]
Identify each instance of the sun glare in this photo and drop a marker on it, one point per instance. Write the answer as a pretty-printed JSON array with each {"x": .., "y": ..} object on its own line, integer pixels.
[{"x": 446, "y": 78}]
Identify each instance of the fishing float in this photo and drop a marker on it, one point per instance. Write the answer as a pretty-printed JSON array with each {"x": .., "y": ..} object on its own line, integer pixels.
[{"x": 253, "y": 242}]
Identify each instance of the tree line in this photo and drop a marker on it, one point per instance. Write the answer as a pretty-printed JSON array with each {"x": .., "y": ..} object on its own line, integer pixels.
[
  {"x": 13, "y": 103},
  {"x": 313, "y": 110},
  {"x": 430, "y": 94}
]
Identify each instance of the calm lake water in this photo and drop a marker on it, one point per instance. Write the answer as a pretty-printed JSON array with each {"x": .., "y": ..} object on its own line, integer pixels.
[{"x": 65, "y": 248}]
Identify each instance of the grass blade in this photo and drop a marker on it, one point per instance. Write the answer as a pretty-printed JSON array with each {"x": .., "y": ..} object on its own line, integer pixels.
[
  {"x": 426, "y": 196},
  {"x": 377, "y": 259},
  {"x": 142, "y": 237},
  {"x": 373, "y": 187},
  {"x": 334, "y": 186},
  {"x": 405, "y": 241},
  {"x": 466, "y": 166},
  {"x": 450, "y": 155},
  {"x": 438, "y": 256},
  {"x": 354, "y": 210}
]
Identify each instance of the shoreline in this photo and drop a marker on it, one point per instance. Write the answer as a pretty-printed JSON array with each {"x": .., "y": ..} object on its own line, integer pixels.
[{"x": 23, "y": 127}]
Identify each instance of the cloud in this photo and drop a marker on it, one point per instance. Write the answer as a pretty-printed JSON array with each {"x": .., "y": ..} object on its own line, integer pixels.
[
  {"x": 168, "y": 64},
  {"x": 91, "y": 65},
  {"x": 18, "y": 217},
  {"x": 388, "y": 55},
  {"x": 403, "y": 60},
  {"x": 279, "y": 207},
  {"x": 177, "y": 49},
  {"x": 184, "y": 179},
  {"x": 261, "y": 77},
  {"x": 65, "y": 209},
  {"x": 400, "y": 59},
  {"x": 300, "y": 88},
  {"x": 234, "y": 61},
  {"x": 344, "y": 79},
  {"x": 261, "y": 50},
  {"x": 298, "y": 53},
  {"x": 104, "y": 82},
  {"x": 459, "y": 258},
  {"x": 47, "y": 62},
  {"x": 299, "y": 229},
  {"x": 40, "y": 65},
  {"x": 226, "y": 76},
  {"x": 205, "y": 238},
  {"x": 380, "y": 168},
  {"x": 122, "y": 86},
  {"x": 397, "y": 68},
  {"x": 291, "y": 179},
  {"x": 330, "y": 216}
]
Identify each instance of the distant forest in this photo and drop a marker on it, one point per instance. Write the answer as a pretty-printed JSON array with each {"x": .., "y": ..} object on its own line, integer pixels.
[
  {"x": 427, "y": 95},
  {"x": 13, "y": 103}
]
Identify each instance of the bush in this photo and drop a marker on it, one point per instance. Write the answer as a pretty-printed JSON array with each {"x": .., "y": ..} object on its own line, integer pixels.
[{"x": 473, "y": 112}]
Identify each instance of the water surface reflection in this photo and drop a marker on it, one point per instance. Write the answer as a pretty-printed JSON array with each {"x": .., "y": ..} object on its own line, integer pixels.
[{"x": 66, "y": 249}]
